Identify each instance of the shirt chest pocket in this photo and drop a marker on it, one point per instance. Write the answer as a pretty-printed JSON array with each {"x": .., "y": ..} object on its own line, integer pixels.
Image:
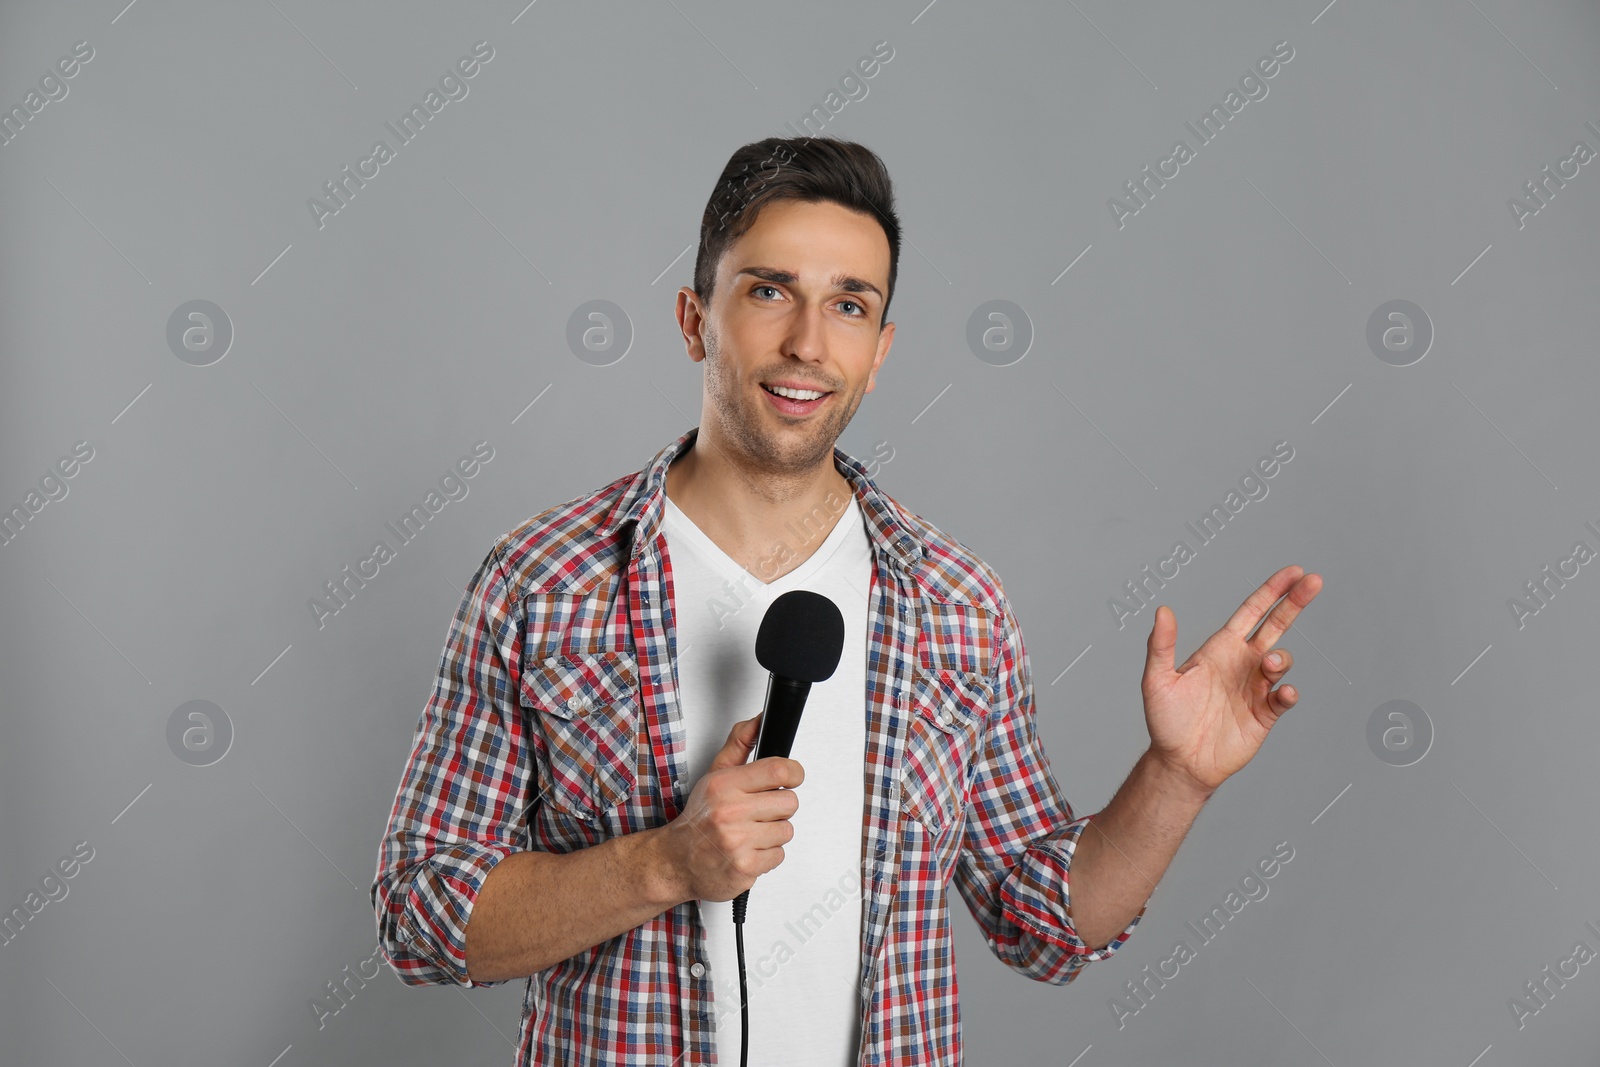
[
  {"x": 585, "y": 709},
  {"x": 949, "y": 710}
]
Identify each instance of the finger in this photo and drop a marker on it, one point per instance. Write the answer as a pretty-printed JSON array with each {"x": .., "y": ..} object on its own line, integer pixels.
[
  {"x": 775, "y": 772},
  {"x": 773, "y": 805},
  {"x": 1159, "y": 648},
  {"x": 772, "y": 835},
  {"x": 1256, "y": 604},
  {"x": 1283, "y": 698},
  {"x": 741, "y": 741},
  {"x": 1300, "y": 594},
  {"x": 1277, "y": 672}
]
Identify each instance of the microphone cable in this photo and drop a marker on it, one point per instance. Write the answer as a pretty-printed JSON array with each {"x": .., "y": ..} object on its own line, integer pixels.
[{"x": 739, "y": 903}]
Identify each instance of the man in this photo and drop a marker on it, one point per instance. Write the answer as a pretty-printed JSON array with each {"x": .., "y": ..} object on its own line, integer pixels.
[{"x": 578, "y": 808}]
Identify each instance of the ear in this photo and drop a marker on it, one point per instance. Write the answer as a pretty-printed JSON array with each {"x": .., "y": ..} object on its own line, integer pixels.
[
  {"x": 691, "y": 320},
  {"x": 885, "y": 339}
]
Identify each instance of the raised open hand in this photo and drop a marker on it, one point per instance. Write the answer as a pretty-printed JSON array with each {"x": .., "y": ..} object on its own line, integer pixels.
[{"x": 1208, "y": 717}]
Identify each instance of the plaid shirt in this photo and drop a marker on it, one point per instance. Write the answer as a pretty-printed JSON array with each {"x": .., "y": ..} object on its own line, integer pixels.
[{"x": 554, "y": 725}]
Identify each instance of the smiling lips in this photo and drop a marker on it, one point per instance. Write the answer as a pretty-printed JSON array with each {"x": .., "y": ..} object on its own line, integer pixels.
[{"x": 795, "y": 400}]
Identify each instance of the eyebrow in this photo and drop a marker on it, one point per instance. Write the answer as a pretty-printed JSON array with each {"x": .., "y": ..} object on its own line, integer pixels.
[{"x": 847, "y": 283}]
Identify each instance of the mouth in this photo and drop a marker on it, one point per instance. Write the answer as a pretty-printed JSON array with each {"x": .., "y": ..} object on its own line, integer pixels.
[{"x": 800, "y": 402}]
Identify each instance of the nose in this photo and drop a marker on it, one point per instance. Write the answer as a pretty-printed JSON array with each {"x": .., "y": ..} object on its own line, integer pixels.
[{"x": 806, "y": 339}]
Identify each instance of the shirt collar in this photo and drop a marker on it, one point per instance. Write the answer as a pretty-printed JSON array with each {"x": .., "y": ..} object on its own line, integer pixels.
[{"x": 642, "y": 502}]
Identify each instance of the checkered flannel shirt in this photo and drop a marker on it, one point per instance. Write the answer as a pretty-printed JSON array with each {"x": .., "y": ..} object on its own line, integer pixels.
[{"x": 554, "y": 724}]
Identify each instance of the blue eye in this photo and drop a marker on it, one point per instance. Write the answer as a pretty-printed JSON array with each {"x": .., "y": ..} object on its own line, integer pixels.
[{"x": 860, "y": 311}]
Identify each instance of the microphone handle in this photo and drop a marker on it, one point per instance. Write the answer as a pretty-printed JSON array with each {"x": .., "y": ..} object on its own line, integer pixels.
[{"x": 786, "y": 699}]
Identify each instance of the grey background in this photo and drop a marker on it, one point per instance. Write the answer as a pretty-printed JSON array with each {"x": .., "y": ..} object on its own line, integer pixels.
[{"x": 1227, "y": 315}]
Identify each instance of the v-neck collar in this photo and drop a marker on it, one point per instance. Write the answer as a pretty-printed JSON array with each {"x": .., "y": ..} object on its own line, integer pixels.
[{"x": 794, "y": 579}]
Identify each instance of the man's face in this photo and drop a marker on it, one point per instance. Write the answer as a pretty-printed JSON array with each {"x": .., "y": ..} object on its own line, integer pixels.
[{"x": 797, "y": 302}]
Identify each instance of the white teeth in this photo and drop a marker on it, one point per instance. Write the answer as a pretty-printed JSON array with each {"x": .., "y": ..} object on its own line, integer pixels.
[{"x": 795, "y": 394}]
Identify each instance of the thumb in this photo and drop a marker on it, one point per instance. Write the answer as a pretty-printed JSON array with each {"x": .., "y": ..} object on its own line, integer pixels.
[
  {"x": 1163, "y": 640},
  {"x": 741, "y": 742}
]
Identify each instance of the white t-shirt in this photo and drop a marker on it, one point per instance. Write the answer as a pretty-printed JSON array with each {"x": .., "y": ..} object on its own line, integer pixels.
[{"x": 802, "y": 929}]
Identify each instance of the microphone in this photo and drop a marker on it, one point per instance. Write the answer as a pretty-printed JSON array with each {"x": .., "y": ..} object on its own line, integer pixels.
[{"x": 800, "y": 642}]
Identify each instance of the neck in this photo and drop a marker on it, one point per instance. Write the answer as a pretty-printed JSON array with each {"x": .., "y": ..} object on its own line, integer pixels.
[{"x": 769, "y": 521}]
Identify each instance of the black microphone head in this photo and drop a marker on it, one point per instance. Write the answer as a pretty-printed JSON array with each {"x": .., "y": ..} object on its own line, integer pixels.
[{"x": 801, "y": 636}]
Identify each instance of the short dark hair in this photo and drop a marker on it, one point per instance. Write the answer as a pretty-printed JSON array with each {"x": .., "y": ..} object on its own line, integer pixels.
[{"x": 810, "y": 169}]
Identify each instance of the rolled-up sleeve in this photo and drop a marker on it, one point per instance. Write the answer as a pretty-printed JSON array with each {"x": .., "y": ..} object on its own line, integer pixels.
[
  {"x": 464, "y": 792},
  {"x": 1014, "y": 869}
]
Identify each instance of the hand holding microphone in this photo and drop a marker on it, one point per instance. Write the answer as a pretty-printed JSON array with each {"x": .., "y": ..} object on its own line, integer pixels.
[{"x": 736, "y": 821}]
